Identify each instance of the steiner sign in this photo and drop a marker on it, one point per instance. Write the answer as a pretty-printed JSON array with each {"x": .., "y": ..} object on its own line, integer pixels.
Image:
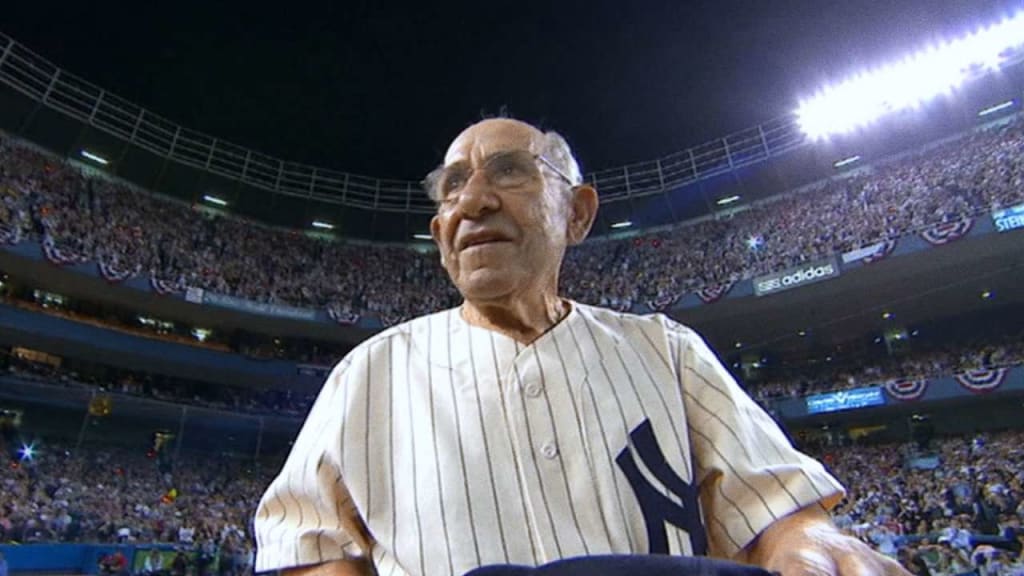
[
  {"x": 1009, "y": 218},
  {"x": 795, "y": 277},
  {"x": 845, "y": 400}
]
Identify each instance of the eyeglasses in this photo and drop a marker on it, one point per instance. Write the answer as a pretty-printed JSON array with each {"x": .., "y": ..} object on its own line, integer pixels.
[{"x": 501, "y": 171}]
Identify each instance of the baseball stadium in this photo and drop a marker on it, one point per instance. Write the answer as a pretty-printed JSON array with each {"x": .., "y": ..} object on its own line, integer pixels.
[{"x": 259, "y": 314}]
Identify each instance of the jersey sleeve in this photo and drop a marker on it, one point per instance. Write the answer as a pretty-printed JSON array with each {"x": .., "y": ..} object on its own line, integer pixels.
[
  {"x": 307, "y": 516},
  {"x": 748, "y": 471}
]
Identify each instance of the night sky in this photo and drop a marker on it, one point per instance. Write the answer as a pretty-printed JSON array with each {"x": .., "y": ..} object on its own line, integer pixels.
[{"x": 380, "y": 88}]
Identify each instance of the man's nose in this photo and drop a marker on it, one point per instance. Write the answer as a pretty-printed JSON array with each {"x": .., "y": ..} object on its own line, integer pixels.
[{"x": 478, "y": 197}]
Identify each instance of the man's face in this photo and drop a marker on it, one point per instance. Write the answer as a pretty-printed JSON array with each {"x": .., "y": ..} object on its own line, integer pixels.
[{"x": 502, "y": 223}]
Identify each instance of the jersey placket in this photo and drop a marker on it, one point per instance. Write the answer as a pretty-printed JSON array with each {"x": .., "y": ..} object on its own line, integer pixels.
[{"x": 536, "y": 442}]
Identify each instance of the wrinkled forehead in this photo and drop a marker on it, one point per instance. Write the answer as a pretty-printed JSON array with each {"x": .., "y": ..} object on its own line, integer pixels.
[{"x": 484, "y": 139}]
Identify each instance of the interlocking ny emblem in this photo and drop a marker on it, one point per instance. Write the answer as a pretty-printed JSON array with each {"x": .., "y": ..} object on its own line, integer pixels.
[{"x": 656, "y": 507}]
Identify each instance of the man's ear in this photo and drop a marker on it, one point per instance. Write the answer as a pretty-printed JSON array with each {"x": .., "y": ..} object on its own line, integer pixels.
[{"x": 583, "y": 211}]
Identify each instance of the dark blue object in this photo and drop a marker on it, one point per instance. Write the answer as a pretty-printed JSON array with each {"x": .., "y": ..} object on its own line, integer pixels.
[{"x": 623, "y": 565}]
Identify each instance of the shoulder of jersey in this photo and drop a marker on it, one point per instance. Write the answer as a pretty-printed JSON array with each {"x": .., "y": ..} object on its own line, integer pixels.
[
  {"x": 626, "y": 322},
  {"x": 402, "y": 331}
]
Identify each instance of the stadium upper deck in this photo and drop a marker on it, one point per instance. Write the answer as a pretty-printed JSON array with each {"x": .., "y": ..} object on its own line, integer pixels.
[{"x": 67, "y": 114}]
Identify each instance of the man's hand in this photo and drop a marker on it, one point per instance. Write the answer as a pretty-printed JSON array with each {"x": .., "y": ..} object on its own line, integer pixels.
[{"x": 807, "y": 543}]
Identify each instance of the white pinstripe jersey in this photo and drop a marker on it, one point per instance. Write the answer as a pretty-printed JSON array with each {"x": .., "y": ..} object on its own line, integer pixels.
[{"x": 444, "y": 446}]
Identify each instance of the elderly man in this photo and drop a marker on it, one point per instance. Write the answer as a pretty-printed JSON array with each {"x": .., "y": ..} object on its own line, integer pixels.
[{"x": 523, "y": 428}]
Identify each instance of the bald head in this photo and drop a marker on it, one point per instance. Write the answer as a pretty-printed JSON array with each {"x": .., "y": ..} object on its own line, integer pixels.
[
  {"x": 491, "y": 136},
  {"x": 497, "y": 135}
]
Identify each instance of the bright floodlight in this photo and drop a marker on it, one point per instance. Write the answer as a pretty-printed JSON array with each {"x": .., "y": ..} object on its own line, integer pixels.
[
  {"x": 997, "y": 108},
  {"x": 846, "y": 161},
  {"x": 215, "y": 200},
  {"x": 907, "y": 84},
  {"x": 423, "y": 236},
  {"x": 623, "y": 224},
  {"x": 323, "y": 225},
  {"x": 95, "y": 157},
  {"x": 727, "y": 200},
  {"x": 27, "y": 452}
]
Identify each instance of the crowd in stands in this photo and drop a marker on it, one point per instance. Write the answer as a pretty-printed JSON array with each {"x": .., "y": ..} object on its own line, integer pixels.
[
  {"x": 857, "y": 371},
  {"x": 959, "y": 514},
  {"x": 790, "y": 380},
  {"x": 115, "y": 495},
  {"x": 956, "y": 514},
  {"x": 98, "y": 219},
  {"x": 246, "y": 400},
  {"x": 124, "y": 319},
  {"x": 946, "y": 183}
]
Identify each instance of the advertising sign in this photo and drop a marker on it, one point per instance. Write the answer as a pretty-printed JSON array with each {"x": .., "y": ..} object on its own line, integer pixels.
[
  {"x": 845, "y": 400},
  {"x": 795, "y": 277},
  {"x": 1009, "y": 218}
]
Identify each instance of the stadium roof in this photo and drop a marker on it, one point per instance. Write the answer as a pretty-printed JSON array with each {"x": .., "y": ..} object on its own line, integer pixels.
[{"x": 381, "y": 89}]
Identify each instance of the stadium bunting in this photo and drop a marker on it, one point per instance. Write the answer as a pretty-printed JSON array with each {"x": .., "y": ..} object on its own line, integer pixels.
[
  {"x": 344, "y": 317},
  {"x": 714, "y": 293},
  {"x": 111, "y": 273},
  {"x": 165, "y": 287},
  {"x": 9, "y": 234},
  {"x": 57, "y": 255},
  {"x": 906, "y": 389},
  {"x": 982, "y": 380},
  {"x": 947, "y": 232},
  {"x": 392, "y": 319},
  {"x": 662, "y": 303}
]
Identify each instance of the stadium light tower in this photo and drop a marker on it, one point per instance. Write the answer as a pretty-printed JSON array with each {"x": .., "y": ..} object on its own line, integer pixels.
[{"x": 909, "y": 83}]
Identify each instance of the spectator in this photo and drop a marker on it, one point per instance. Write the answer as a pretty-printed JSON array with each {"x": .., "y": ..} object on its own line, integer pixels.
[
  {"x": 154, "y": 564},
  {"x": 114, "y": 564}
]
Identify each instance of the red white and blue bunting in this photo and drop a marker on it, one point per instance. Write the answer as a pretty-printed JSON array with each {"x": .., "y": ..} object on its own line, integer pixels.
[
  {"x": 905, "y": 389},
  {"x": 344, "y": 317},
  {"x": 982, "y": 380},
  {"x": 113, "y": 273},
  {"x": 165, "y": 287},
  {"x": 947, "y": 232},
  {"x": 392, "y": 319},
  {"x": 714, "y": 293},
  {"x": 662, "y": 303},
  {"x": 59, "y": 256},
  {"x": 9, "y": 234}
]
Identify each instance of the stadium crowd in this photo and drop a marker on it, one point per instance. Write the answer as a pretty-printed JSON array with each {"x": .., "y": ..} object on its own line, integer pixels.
[
  {"x": 97, "y": 219},
  {"x": 959, "y": 514},
  {"x": 272, "y": 402},
  {"x": 115, "y": 495},
  {"x": 790, "y": 380},
  {"x": 856, "y": 371}
]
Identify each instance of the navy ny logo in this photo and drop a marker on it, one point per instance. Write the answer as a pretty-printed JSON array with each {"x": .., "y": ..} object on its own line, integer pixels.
[{"x": 657, "y": 508}]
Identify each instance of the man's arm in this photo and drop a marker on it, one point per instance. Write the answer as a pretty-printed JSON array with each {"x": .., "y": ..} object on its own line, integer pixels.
[
  {"x": 312, "y": 479},
  {"x": 808, "y": 543},
  {"x": 356, "y": 567}
]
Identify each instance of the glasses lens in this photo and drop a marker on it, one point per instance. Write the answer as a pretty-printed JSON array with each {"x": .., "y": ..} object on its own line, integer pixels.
[{"x": 511, "y": 170}]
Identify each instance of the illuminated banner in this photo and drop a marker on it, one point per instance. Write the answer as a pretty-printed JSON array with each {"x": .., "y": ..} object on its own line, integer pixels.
[
  {"x": 264, "y": 308},
  {"x": 845, "y": 400},
  {"x": 1009, "y": 218},
  {"x": 796, "y": 277}
]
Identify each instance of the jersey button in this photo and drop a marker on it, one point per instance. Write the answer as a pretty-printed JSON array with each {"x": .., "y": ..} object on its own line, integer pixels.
[
  {"x": 549, "y": 450},
  {"x": 533, "y": 389}
]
